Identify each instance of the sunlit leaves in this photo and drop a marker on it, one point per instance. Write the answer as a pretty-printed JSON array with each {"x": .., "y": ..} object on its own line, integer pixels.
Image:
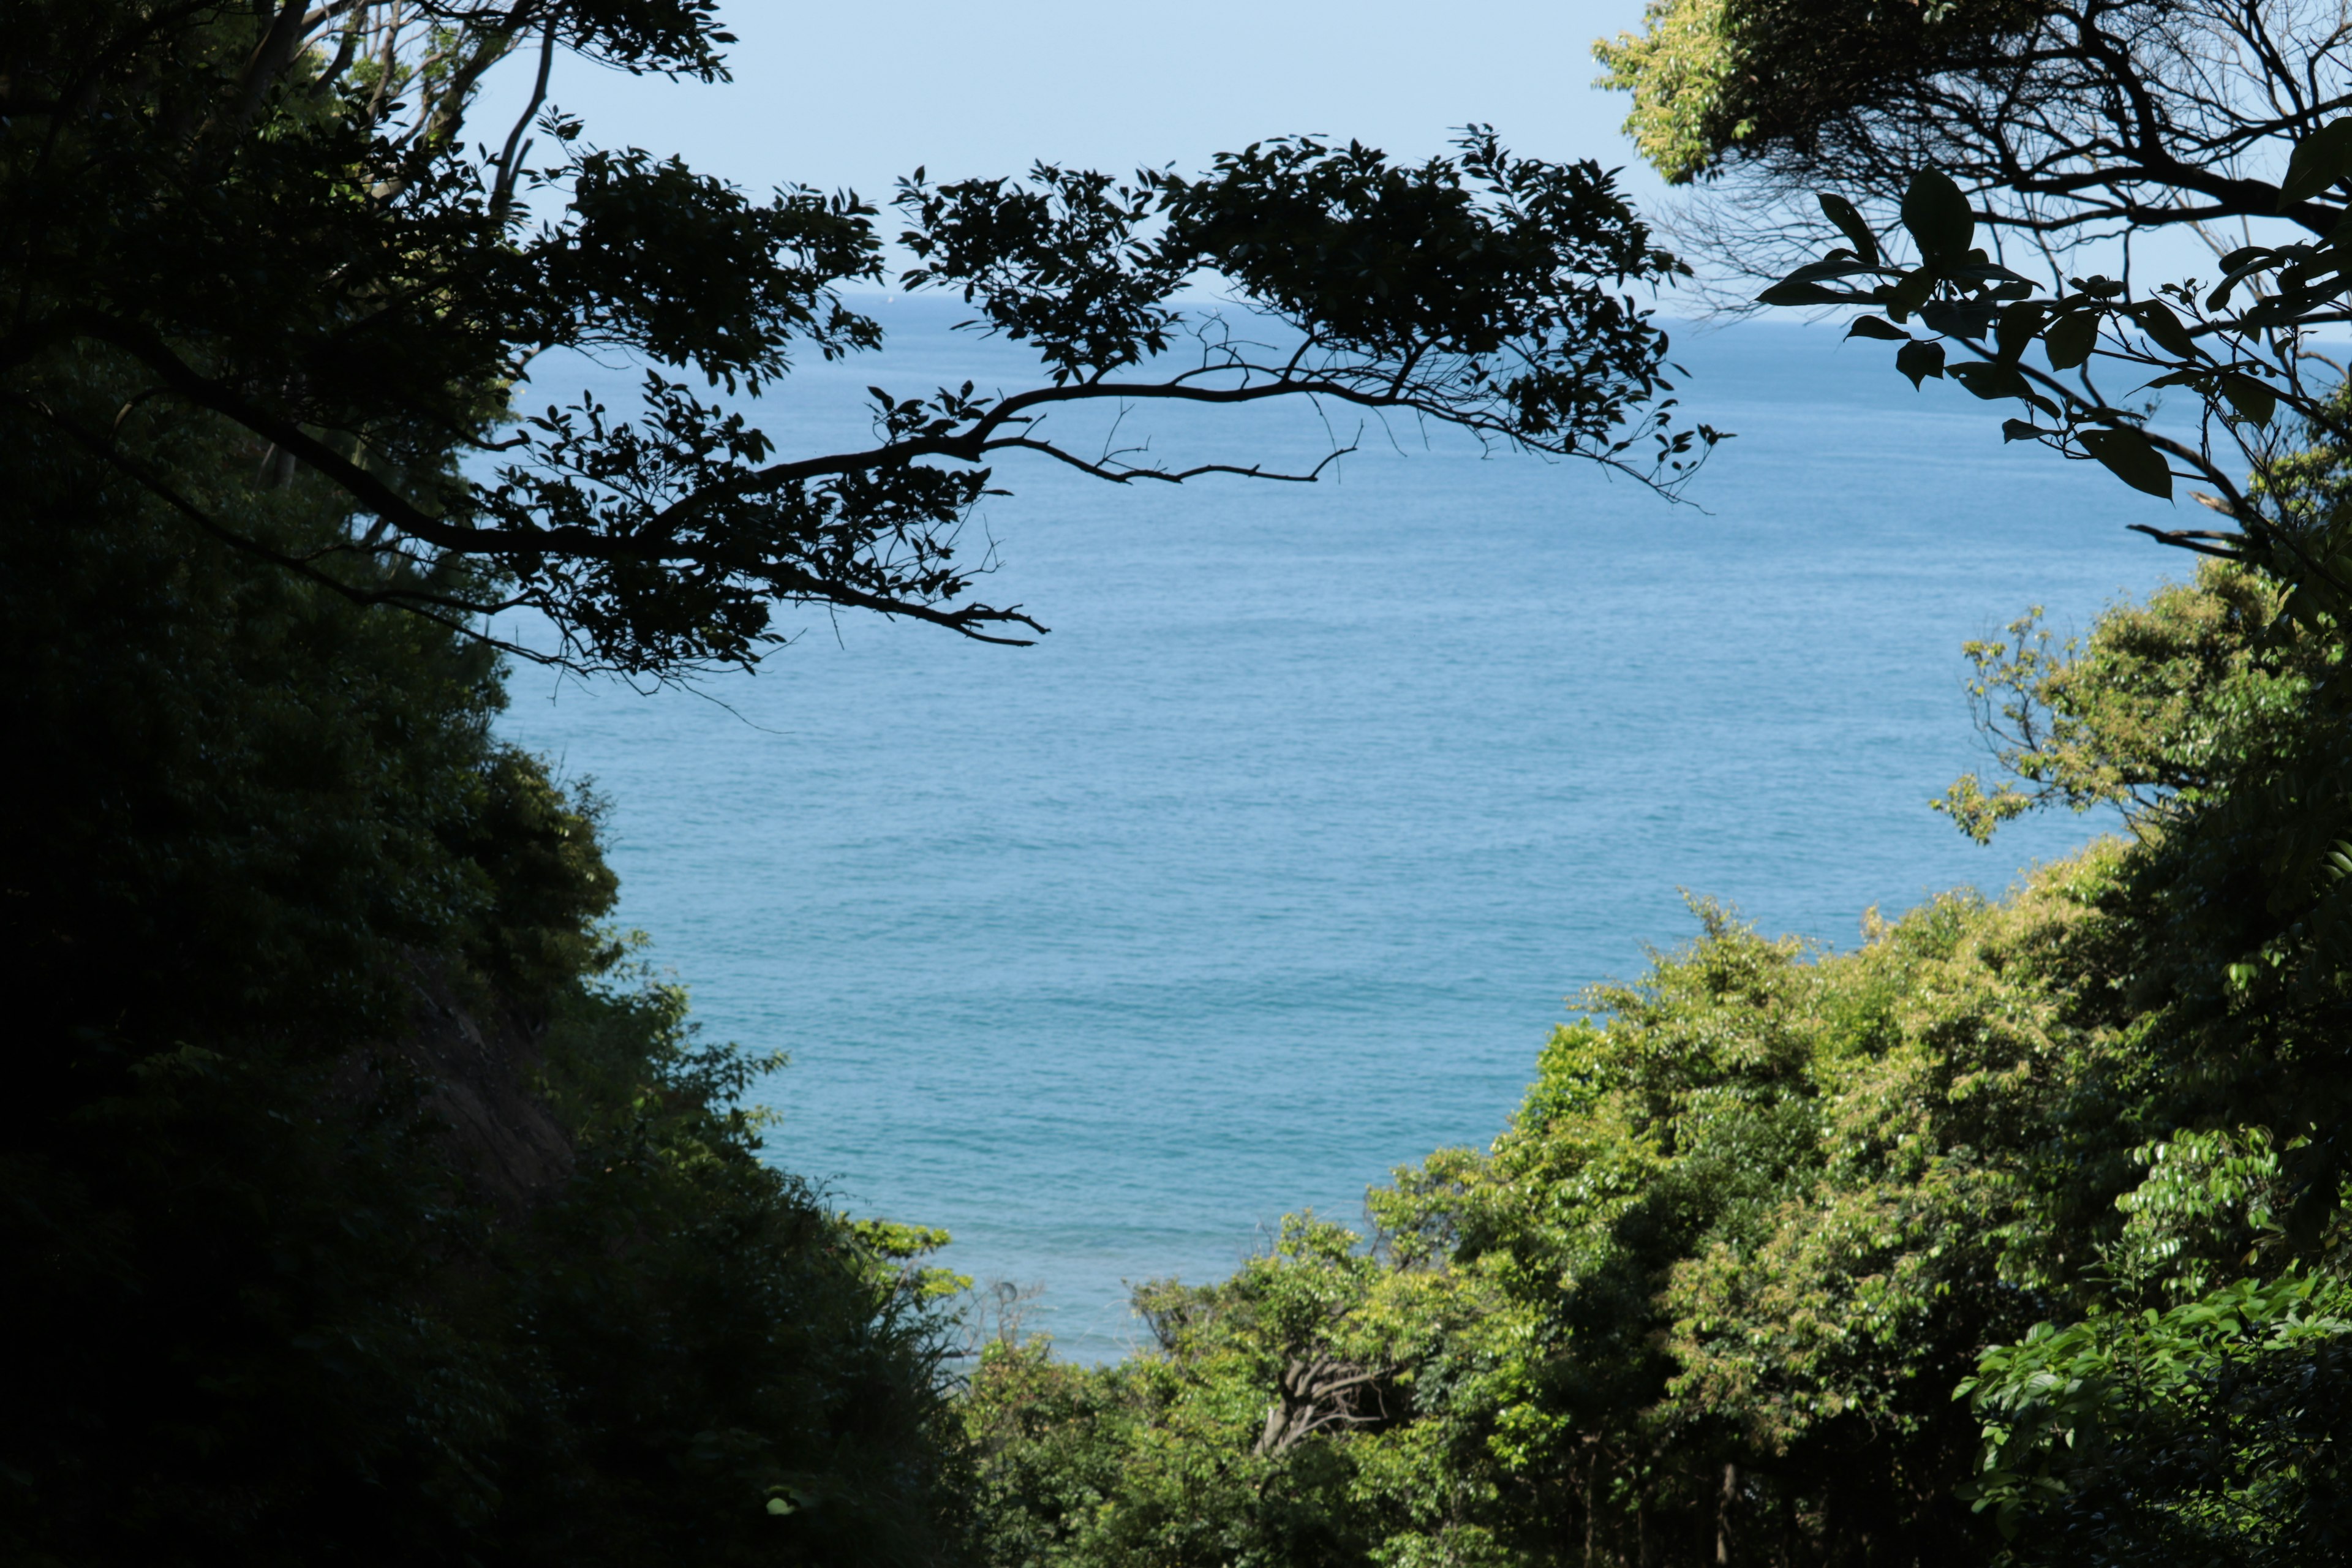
[
  {"x": 2116, "y": 1437},
  {"x": 1754, "y": 1204}
]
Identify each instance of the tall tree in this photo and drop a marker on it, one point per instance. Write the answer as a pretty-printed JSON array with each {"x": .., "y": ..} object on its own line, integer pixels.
[
  {"x": 268, "y": 214},
  {"x": 2208, "y": 1430}
]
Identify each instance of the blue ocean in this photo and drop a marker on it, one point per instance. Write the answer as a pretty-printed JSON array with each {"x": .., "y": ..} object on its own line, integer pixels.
[{"x": 1271, "y": 867}]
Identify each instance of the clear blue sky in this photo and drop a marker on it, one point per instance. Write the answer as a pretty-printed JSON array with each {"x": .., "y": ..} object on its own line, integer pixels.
[{"x": 857, "y": 95}]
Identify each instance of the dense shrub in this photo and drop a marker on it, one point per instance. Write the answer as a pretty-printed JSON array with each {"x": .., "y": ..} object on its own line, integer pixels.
[
  {"x": 2002, "y": 1235},
  {"x": 357, "y": 1202}
]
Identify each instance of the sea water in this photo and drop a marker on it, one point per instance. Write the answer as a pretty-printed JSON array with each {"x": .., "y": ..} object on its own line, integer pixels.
[{"x": 1271, "y": 867}]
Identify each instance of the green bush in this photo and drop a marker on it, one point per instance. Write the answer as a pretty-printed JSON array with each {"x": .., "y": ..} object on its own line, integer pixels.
[
  {"x": 1710, "y": 1297},
  {"x": 357, "y": 1204}
]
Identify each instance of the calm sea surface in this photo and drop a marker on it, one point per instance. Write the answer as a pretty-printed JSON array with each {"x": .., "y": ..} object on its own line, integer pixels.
[{"x": 1269, "y": 870}]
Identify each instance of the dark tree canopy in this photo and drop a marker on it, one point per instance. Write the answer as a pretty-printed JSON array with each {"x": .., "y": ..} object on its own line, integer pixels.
[{"x": 279, "y": 216}]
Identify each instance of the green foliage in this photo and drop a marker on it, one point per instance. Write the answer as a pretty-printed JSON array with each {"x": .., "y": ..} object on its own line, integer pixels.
[
  {"x": 894, "y": 1249},
  {"x": 2250, "y": 934},
  {"x": 355, "y": 1205},
  {"x": 2210, "y": 1204},
  {"x": 2215, "y": 1431},
  {"x": 1682, "y": 72},
  {"x": 1180, "y": 1457},
  {"x": 283, "y": 218},
  {"x": 2149, "y": 713},
  {"x": 1712, "y": 77},
  {"x": 2199, "y": 1419},
  {"x": 2182, "y": 1401},
  {"x": 1710, "y": 1297},
  {"x": 1713, "y": 1284},
  {"x": 2064, "y": 122}
]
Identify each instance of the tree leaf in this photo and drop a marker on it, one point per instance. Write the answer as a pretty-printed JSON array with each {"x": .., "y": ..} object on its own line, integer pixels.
[
  {"x": 1919, "y": 361},
  {"x": 1938, "y": 215},
  {"x": 1989, "y": 379},
  {"x": 1788, "y": 293},
  {"x": 1958, "y": 318},
  {"x": 2068, "y": 340},
  {"x": 2255, "y": 401},
  {"x": 2020, "y": 430},
  {"x": 1872, "y": 327},
  {"x": 1843, "y": 214},
  {"x": 2131, "y": 457},
  {"x": 1980, "y": 270},
  {"x": 2237, "y": 266},
  {"x": 1911, "y": 290},
  {"x": 2157, "y": 319},
  {"x": 2018, "y": 326},
  {"x": 1837, "y": 264},
  {"x": 2320, "y": 161}
]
